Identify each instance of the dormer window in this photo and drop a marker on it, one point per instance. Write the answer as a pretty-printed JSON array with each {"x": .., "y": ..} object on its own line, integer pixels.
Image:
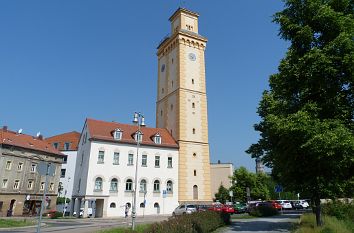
[
  {"x": 117, "y": 134},
  {"x": 157, "y": 139},
  {"x": 138, "y": 136}
]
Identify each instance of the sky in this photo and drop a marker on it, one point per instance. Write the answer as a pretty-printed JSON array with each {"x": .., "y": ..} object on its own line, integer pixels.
[{"x": 64, "y": 61}]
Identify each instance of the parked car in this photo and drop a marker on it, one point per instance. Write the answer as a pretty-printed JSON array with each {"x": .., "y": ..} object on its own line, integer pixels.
[
  {"x": 240, "y": 207},
  {"x": 184, "y": 209},
  {"x": 275, "y": 205},
  {"x": 218, "y": 207},
  {"x": 304, "y": 204},
  {"x": 201, "y": 208},
  {"x": 81, "y": 213},
  {"x": 228, "y": 209},
  {"x": 285, "y": 204},
  {"x": 296, "y": 205}
]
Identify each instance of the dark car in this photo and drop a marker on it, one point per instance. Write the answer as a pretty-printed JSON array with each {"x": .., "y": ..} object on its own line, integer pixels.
[
  {"x": 240, "y": 208},
  {"x": 201, "y": 208}
]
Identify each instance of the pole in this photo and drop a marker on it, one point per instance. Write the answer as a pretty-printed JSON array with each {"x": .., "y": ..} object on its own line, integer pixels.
[
  {"x": 136, "y": 176},
  {"x": 43, "y": 199}
]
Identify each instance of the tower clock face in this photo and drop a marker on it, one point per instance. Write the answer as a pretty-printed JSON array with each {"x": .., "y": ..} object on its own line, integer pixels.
[
  {"x": 192, "y": 56},
  {"x": 163, "y": 68}
]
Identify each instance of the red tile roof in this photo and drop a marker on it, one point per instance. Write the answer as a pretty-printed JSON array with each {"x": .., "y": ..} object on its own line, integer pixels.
[
  {"x": 72, "y": 137},
  {"x": 12, "y": 138},
  {"x": 102, "y": 130}
]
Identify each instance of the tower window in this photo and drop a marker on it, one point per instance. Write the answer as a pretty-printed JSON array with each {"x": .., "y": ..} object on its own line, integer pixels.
[
  {"x": 192, "y": 81},
  {"x": 194, "y": 154},
  {"x": 172, "y": 60},
  {"x": 162, "y": 90},
  {"x": 171, "y": 107},
  {"x": 193, "y": 130},
  {"x": 195, "y": 172},
  {"x": 172, "y": 83},
  {"x": 193, "y": 105},
  {"x": 161, "y": 112}
]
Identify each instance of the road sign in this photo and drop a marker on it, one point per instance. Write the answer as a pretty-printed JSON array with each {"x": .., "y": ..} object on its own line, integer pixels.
[
  {"x": 164, "y": 193},
  {"x": 278, "y": 188},
  {"x": 43, "y": 166}
]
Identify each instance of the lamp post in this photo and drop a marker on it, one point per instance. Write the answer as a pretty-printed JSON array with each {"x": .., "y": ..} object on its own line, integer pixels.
[{"x": 139, "y": 120}]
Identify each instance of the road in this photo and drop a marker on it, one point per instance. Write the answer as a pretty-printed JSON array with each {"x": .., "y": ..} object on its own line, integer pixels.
[
  {"x": 281, "y": 223},
  {"x": 86, "y": 225}
]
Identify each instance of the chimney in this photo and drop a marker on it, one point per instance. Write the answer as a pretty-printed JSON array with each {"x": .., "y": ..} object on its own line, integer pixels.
[
  {"x": 4, "y": 128},
  {"x": 219, "y": 161},
  {"x": 40, "y": 137}
]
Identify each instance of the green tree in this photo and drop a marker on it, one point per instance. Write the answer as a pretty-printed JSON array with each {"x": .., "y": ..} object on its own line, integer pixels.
[
  {"x": 222, "y": 195},
  {"x": 307, "y": 117},
  {"x": 243, "y": 179}
]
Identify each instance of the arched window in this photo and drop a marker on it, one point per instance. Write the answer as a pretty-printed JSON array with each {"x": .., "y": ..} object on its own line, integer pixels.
[
  {"x": 128, "y": 204},
  {"x": 193, "y": 105},
  {"x": 129, "y": 185},
  {"x": 193, "y": 130},
  {"x": 114, "y": 185},
  {"x": 112, "y": 205},
  {"x": 143, "y": 186},
  {"x": 156, "y": 186},
  {"x": 142, "y": 205},
  {"x": 169, "y": 186},
  {"x": 195, "y": 192},
  {"x": 156, "y": 205},
  {"x": 98, "y": 184}
]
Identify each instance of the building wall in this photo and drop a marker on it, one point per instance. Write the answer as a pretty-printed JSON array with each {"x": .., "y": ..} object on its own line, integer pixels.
[
  {"x": 23, "y": 193},
  {"x": 220, "y": 175},
  {"x": 68, "y": 180}
]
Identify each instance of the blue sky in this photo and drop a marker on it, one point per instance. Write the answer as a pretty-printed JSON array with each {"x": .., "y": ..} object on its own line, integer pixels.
[{"x": 63, "y": 61}]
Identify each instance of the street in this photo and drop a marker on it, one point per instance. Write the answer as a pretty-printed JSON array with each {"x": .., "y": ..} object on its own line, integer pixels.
[
  {"x": 86, "y": 225},
  {"x": 276, "y": 224}
]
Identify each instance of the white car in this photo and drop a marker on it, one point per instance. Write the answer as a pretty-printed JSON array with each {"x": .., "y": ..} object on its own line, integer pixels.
[
  {"x": 286, "y": 204},
  {"x": 184, "y": 209},
  {"x": 304, "y": 204}
]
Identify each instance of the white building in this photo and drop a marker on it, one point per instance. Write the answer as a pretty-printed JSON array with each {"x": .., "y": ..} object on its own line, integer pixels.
[
  {"x": 67, "y": 143},
  {"x": 105, "y": 170}
]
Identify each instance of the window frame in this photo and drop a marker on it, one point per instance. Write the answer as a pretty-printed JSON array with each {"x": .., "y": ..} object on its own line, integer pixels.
[
  {"x": 170, "y": 162},
  {"x": 116, "y": 158},
  {"x": 98, "y": 184},
  {"x": 113, "y": 181},
  {"x": 144, "y": 160},
  {"x": 129, "y": 185},
  {"x": 100, "y": 158},
  {"x": 130, "y": 159},
  {"x": 157, "y": 161},
  {"x": 18, "y": 184},
  {"x": 157, "y": 186}
]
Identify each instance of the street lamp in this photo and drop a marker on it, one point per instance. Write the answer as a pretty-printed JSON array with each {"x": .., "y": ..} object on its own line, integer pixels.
[{"x": 139, "y": 120}]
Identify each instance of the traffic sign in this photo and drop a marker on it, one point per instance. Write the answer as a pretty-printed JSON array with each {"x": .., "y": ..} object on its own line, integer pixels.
[
  {"x": 278, "y": 188},
  {"x": 164, "y": 193}
]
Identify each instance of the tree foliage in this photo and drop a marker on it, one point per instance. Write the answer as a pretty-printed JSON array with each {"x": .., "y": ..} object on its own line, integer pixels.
[
  {"x": 222, "y": 195},
  {"x": 307, "y": 115}
]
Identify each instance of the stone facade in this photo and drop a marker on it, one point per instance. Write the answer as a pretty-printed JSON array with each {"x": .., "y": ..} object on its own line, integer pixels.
[{"x": 220, "y": 175}]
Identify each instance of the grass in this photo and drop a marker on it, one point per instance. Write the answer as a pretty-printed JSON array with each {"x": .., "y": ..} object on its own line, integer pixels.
[
  {"x": 7, "y": 223},
  {"x": 138, "y": 229},
  {"x": 331, "y": 225}
]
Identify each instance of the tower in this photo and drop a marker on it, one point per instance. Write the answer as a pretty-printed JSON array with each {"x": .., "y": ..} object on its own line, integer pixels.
[{"x": 182, "y": 103}]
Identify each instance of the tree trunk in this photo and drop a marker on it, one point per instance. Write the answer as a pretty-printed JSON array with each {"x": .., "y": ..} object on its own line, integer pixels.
[{"x": 318, "y": 211}]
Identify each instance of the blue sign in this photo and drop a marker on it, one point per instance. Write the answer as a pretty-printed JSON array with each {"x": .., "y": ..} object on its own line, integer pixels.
[
  {"x": 164, "y": 193},
  {"x": 278, "y": 188}
]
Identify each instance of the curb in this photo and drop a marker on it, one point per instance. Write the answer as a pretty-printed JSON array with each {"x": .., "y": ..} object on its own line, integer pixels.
[{"x": 19, "y": 228}]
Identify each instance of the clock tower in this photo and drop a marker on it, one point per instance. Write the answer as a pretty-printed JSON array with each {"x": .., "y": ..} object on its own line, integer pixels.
[{"x": 182, "y": 103}]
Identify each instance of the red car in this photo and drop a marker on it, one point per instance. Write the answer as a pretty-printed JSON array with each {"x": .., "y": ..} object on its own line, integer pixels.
[
  {"x": 216, "y": 207},
  {"x": 228, "y": 209},
  {"x": 275, "y": 204}
]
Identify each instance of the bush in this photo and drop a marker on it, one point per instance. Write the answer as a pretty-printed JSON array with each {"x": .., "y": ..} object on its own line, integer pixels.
[
  {"x": 340, "y": 210},
  {"x": 263, "y": 211},
  {"x": 55, "y": 214},
  {"x": 200, "y": 222}
]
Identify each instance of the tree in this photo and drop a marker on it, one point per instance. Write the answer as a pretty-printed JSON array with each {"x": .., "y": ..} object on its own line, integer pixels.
[
  {"x": 222, "y": 195},
  {"x": 243, "y": 179},
  {"x": 307, "y": 120}
]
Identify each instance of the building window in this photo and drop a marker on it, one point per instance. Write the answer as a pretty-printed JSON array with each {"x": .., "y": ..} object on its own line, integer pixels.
[
  {"x": 138, "y": 136},
  {"x": 112, "y": 205},
  {"x": 195, "y": 192},
  {"x": 33, "y": 167},
  {"x": 8, "y": 165},
  {"x": 17, "y": 184},
  {"x": 192, "y": 81},
  {"x": 169, "y": 186},
  {"x": 157, "y": 161},
  {"x": 19, "y": 166},
  {"x": 143, "y": 186},
  {"x": 194, "y": 154},
  {"x": 171, "y": 107},
  {"x": 162, "y": 90},
  {"x": 144, "y": 160},
  {"x": 100, "y": 157},
  {"x": 30, "y": 184},
  {"x": 193, "y": 130},
  {"x": 65, "y": 159},
  {"x": 195, "y": 172},
  {"x": 157, "y": 139},
  {"x": 56, "y": 145},
  {"x": 51, "y": 187},
  {"x": 42, "y": 185},
  {"x": 161, "y": 112},
  {"x": 67, "y": 146},
  {"x": 130, "y": 159},
  {"x": 82, "y": 158},
  {"x": 62, "y": 173},
  {"x": 116, "y": 158},
  {"x": 114, "y": 185},
  {"x": 117, "y": 134},
  {"x": 156, "y": 186},
  {"x": 4, "y": 183},
  {"x": 172, "y": 84},
  {"x": 169, "y": 162},
  {"x": 193, "y": 105},
  {"x": 142, "y": 205},
  {"x": 129, "y": 185},
  {"x": 98, "y": 184}
]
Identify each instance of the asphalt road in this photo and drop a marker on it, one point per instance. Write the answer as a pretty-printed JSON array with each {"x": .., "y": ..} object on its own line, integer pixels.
[
  {"x": 85, "y": 225},
  {"x": 281, "y": 223}
]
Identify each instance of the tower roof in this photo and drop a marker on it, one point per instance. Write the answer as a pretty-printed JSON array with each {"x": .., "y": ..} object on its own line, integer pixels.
[{"x": 185, "y": 11}]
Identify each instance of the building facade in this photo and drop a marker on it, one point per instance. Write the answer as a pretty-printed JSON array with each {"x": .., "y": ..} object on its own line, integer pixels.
[
  {"x": 182, "y": 103},
  {"x": 21, "y": 187},
  {"x": 105, "y": 170},
  {"x": 221, "y": 174},
  {"x": 67, "y": 143}
]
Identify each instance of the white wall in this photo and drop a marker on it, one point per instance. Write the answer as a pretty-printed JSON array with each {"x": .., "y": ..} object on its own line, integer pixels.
[{"x": 68, "y": 180}]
